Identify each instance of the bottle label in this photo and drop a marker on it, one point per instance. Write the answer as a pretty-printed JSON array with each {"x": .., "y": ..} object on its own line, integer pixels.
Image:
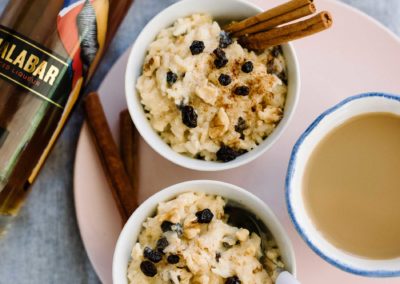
[
  {"x": 82, "y": 27},
  {"x": 33, "y": 67}
]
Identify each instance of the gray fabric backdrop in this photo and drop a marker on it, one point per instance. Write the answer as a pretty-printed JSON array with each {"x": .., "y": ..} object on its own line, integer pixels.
[{"x": 43, "y": 245}]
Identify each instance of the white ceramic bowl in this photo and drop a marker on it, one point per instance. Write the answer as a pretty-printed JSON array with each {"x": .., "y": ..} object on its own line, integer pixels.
[
  {"x": 131, "y": 230},
  {"x": 220, "y": 10},
  {"x": 345, "y": 110}
]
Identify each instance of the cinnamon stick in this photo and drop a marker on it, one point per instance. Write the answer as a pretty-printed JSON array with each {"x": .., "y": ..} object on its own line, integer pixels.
[
  {"x": 129, "y": 147},
  {"x": 282, "y": 19},
  {"x": 287, "y": 33},
  {"x": 267, "y": 15},
  {"x": 122, "y": 191}
]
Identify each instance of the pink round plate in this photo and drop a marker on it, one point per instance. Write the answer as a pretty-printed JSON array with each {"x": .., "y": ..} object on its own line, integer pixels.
[{"x": 357, "y": 55}]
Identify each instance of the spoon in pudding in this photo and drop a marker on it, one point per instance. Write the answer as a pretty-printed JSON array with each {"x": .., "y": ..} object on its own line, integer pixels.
[{"x": 242, "y": 218}]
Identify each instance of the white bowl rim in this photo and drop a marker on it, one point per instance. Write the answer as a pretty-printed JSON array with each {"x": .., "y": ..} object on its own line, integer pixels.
[
  {"x": 179, "y": 188},
  {"x": 289, "y": 189},
  {"x": 200, "y": 165}
]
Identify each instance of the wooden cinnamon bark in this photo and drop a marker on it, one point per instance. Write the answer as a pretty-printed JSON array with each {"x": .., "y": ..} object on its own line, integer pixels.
[
  {"x": 287, "y": 33},
  {"x": 282, "y": 19},
  {"x": 267, "y": 15},
  {"x": 129, "y": 147},
  {"x": 124, "y": 195}
]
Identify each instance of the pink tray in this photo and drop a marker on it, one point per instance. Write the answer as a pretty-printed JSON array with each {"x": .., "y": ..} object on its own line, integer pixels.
[{"x": 357, "y": 55}]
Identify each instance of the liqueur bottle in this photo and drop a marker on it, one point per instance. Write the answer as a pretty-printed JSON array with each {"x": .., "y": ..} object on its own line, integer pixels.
[{"x": 48, "y": 51}]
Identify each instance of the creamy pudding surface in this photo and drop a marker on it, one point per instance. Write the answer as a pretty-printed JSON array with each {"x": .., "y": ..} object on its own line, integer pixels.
[
  {"x": 188, "y": 240},
  {"x": 207, "y": 96}
]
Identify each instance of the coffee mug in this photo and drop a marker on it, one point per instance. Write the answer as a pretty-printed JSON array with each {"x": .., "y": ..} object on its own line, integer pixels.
[{"x": 325, "y": 123}]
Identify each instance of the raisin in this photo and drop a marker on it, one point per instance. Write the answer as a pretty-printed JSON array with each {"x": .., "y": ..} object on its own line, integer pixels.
[
  {"x": 162, "y": 244},
  {"x": 217, "y": 256},
  {"x": 197, "y": 47},
  {"x": 148, "y": 268},
  {"x": 243, "y": 41},
  {"x": 171, "y": 77},
  {"x": 173, "y": 259},
  {"x": 247, "y": 67},
  {"x": 152, "y": 255},
  {"x": 240, "y": 127},
  {"x": 226, "y": 154},
  {"x": 219, "y": 53},
  {"x": 233, "y": 280},
  {"x": 224, "y": 79},
  {"x": 177, "y": 228},
  {"x": 242, "y": 91},
  {"x": 204, "y": 216},
  {"x": 189, "y": 116},
  {"x": 276, "y": 50},
  {"x": 224, "y": 39},
  {"x": 221, "y": 59},
  {"x": 220, "y": 62},
  {"x": 169, "y": 226},
  {"x": 166, "y": 226}
]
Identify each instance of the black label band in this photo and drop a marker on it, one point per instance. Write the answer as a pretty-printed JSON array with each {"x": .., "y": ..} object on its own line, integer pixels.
[{"x": 34, "y": 68}]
